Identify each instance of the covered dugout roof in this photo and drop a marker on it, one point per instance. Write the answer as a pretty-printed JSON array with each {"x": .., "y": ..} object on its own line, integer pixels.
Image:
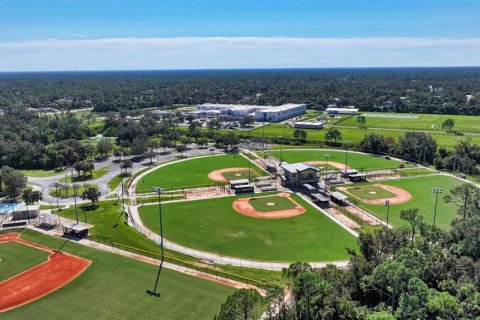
[
  {"x": 76, "y": 227},
  {"x": 239, "y": 182},
  {"x": 338, "y": 196},
  {"x": 320, "y": 197}
]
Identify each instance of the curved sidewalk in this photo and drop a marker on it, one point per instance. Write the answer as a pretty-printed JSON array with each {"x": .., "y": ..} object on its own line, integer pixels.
[{"x": 137, "y": 223}]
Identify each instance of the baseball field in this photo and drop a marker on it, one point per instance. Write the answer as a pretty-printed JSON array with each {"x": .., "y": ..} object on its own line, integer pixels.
[
  {"x": 359, "y": 161},
  {"x": 213, "y": 225},
  {"x": 422, "y": 197},
  {"x": 195, "y": 172},
  {"x": 108, "y": 287}
]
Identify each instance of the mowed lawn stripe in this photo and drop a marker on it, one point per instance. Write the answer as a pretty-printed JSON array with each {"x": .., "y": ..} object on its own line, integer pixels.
[
  {"x": 192, "y": 172},
  {"x": 359, "y": 161},
  {"x": 16, "y": 258},
  {"x": 114, "y": 287},
  {"x": 422, "y": 198},
  {"x": 213, "y": 225}
]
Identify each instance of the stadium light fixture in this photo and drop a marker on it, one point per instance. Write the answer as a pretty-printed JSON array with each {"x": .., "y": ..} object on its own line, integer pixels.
[
  {"x": 387, "y": 204},
  {"x": 436, "y": 191}
]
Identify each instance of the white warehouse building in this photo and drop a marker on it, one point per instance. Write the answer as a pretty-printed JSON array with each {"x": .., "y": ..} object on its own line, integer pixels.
[
  {"x": 261, "y": 113},
  {"x": 280, "y": 113}
]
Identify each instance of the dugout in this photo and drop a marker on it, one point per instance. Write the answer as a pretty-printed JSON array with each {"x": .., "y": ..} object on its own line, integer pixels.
[
  {"x": 319, "y": 198},
  {"x": 359, "y": 177},
  {"x": 338, "y": 198},
  {"x": 347, "y": 173},
  {"x": 76, "y": 230}
]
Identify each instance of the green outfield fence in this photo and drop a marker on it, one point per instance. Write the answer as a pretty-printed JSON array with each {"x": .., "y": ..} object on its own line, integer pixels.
[{"x": 182, "y": 263}]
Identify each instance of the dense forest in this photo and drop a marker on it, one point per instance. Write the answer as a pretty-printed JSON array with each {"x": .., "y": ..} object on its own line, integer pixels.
[{"x": 423, "y": 90}]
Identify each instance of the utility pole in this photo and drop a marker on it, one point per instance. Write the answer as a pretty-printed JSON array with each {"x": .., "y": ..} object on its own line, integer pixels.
[
  {"x": 436, "y": 191},
  {"x": 154, "y": 292}
]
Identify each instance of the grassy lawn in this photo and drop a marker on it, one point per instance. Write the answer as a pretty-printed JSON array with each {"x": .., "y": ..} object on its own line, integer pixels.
[
  {"x": 69, "y": 192},
  {"x": 95, "y": 175},
  {"x": 422, "y": 198},
  {"x": 212, "y": 225},
  {"x": 41, "y": 173},
  {"x": 240, "y": 175},
  {"x": 191, "y": 172},
  {"x": 280, "y": 203},
  {"x": 359, "y": 161},
  {"x": 16, "y": 258},
  {"x": 114, "y": 287},
  {"x": 370, "y": 192},
  {"x": 355, "y": 135},
  {"x": 423, "y": 122},
  {"x": 114, "y": 182},
  {"x": 108, "y": 222}
]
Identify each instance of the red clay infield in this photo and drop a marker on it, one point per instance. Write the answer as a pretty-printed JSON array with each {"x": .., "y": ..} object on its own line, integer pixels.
[
  {"x": 243, "y": 206},
  {"x": 44, "y": 278}
]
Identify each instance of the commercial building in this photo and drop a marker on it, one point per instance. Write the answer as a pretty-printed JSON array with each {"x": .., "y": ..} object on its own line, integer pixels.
[
  {"x": 261, "y": 113},
  {"x": 308, "y": 125},
  {"x": 280, "y": 113},
  {"x": 297, "y": 174},
  {"x": 351, "y": 110}
]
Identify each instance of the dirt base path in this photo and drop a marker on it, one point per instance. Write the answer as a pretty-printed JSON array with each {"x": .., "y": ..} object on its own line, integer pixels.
[
  {"x": 244, "y": 207},
  {"x": 337, "y": 165},
  {"x": 401, "y": 195},
  {"x": 40, "y": 280},
  {"x": 217, "y": 175}
]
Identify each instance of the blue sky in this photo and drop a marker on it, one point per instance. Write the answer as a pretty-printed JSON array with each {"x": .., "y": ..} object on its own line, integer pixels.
[{"x": 92, "y": 35}]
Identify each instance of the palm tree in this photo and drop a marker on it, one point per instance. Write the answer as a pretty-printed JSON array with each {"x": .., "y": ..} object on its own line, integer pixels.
[
  {"x": 361, "y": 120},
  {"x": 448, "y": 124}
]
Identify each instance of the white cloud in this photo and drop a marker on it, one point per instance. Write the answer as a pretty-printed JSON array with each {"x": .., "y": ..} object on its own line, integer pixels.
[{"x": 235, "y": 52}]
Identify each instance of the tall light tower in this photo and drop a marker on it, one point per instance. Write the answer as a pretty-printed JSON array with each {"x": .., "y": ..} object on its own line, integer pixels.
[
  {"x": 436, "y": 191},
  {"x": 74, "y": 194},
  {"x": 154, "y": 292},
  {"x": 387, "y": 204},
  {"x": 326, "y": 170}
]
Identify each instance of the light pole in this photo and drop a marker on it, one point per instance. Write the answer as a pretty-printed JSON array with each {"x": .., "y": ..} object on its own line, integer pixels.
[
  {"x": 74, "y": 195},
  {"x": 346, "y": 157},
  {"x": 280, "y": 138},
  {"x": 436, "y": 191},
  {"x": 326, "y": 172},
  {"x": 154, "y": 292},
  {"x": 387, "y": 204}
]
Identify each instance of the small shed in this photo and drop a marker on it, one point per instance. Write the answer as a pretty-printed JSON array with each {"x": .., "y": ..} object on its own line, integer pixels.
[{"x": 77, "y": 230}]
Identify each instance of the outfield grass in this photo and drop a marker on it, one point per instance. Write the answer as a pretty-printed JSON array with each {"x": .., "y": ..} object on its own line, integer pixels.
[
  {"x": 69, "y": 192},
  {"x": 240, "y": 175},
  {"x": 114, "y": 287},
  {"x": 281, "y": 203},
  {"x": 423, "y": 122},
  {"x": 364, "y": 192},
  {"x": 41, "y": 173},
  {"x": 422, "y": 198},
  {"x": 191, "y": 172},
  {"x": 359, "y": 161},
  {"x": 212, "y": 225},
  {"x": 114, "y": 182},
  {"x": 108, "y": 222},
  {"x": 16, "y": 258}
]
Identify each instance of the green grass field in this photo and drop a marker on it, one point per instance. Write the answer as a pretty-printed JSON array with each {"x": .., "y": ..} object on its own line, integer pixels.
[
  {"x": 422, "y": 198},
  {"x": 281, "y": 203},
  {"x": 95, "y": 175},
  {"x": 423, "y": 122},
  {"x": 108, "y": 222},
  {"x": 370, "y": 192},
  {"x": 69, "y": 192},
  {"x": 114, "y": 287},
  {"x": 355, "y": 135},
  {"x": 355, "y": 160},
  {"x": 41, "y": 173},
  {"x": 212, "y": 225},
  {"x": 191, "y": 172},
  {"x": 16, "y": 258},
  {"x": 240, "y": 175},
  {"x": 114, "y": 182}
]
